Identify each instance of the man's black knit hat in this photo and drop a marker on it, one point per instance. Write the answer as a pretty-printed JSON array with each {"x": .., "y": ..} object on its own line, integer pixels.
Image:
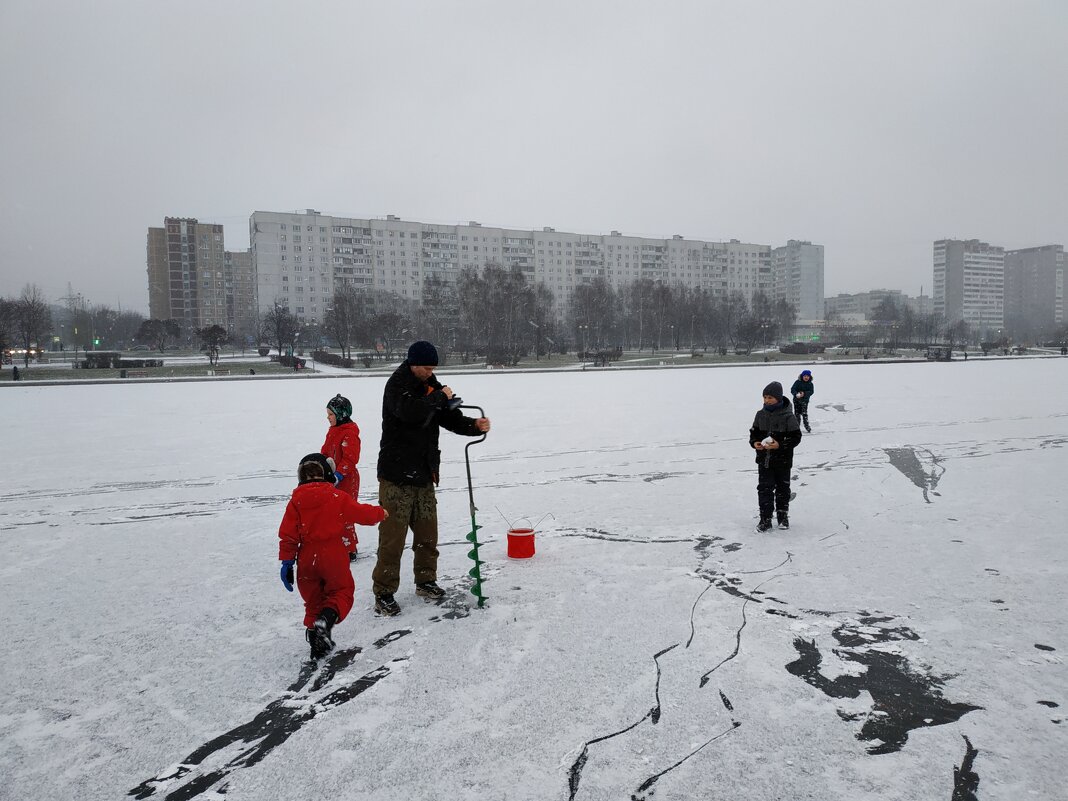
[{"x": 422, "y": 354}]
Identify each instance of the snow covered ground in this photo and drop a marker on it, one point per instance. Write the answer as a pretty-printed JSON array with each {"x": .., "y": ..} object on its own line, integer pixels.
[{"x": 904, "y": 640}]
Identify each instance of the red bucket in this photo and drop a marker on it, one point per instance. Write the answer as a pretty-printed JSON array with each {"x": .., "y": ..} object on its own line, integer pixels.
[{"x": 520, "y": 543}]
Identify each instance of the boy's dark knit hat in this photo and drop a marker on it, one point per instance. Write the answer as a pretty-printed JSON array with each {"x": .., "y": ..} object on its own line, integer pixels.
[
  {"x": 774, "y": 389},
  {"x": 806, "y": 372},
  {"x": 422, "y": 354},
  {"x": 315, "y": 467},
  {"x": 341, "y": 407}
]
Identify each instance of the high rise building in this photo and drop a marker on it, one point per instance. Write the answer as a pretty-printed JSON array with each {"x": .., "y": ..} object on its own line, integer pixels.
[
  {"x": 797, "y": 278},
  {"x": 192, "y": 280},
  {"x": 863, "y": 304},
  {"x": 242, "y": 320},
  {"x": 299, "y": 258},
  {"x": 1034, "y": 292},
  {"x": 969, "y": 283}
]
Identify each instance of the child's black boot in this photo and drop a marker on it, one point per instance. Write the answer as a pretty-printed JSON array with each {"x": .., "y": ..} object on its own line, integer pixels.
[
  {"x": 784, "y": 520},
  {"x": 319, "y": 634},
  {"x": 764, "y": 524}
]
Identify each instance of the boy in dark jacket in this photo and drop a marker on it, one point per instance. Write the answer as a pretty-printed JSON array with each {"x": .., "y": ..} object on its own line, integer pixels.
[
  {"x": 774, "y": 435},
  {"x": 802, "y": 391},
  {"x": 414, "y": 405},
  {"x": 317, "y": 520}
]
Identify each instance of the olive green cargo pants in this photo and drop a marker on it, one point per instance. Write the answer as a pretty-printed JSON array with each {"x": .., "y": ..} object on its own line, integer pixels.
[{"x": 408, "y": 507}]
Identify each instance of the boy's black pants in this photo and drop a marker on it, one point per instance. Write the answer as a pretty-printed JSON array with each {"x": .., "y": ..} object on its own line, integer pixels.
[
  {"x": 801, "y": 412},
  {"x": 773, "y": 488}
]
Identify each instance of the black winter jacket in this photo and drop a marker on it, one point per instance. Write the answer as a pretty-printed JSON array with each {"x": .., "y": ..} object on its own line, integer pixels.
[
  {"x": 808, "y": 387},
  {"x": 781, "y": 425},
  {"x": 411, "y": 414}
]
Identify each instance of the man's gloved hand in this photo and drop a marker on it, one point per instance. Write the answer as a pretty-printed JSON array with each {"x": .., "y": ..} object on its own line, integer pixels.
[
  {"x": 338, "y": 478},
  {"x": 287, "y": 574}
]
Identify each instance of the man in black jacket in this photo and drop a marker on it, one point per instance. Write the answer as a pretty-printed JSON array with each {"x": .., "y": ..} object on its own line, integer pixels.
[
  {"x": 774, "y": 435},
  {"x": 414, "y": 405}
]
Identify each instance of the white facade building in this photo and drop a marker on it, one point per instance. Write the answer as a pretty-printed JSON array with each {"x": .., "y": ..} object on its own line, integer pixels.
[
  {"x": 969, "y": 283},
  {"x": 797, "y": 270},
  {"x": 299, "y": 258}
]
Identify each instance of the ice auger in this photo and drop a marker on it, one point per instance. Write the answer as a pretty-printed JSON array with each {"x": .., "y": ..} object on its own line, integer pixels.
[{"x": 472, "y": 537}]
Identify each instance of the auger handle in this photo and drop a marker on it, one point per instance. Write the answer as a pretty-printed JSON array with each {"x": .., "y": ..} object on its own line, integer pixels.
[{"x": 467, "y": 459}]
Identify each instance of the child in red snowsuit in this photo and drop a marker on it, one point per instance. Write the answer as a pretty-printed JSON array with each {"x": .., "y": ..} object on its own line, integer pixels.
[
  {"x": 316, "y": 520},
  {"x": 342, "y": 445}
]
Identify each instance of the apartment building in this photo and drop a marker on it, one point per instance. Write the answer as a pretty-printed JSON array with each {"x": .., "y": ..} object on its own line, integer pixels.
[
  {"x": 1034, "y": 291},
  {"x": 797, "y": 278},
  {"x": 298, "y": 258},
  {"x": 862, "y": 304},
  {"x": 193, "y": 279},
  {"x": 242, "y": 320},
  {"x": 186, "y": 264},
  {"x": 969, "y": 283}
]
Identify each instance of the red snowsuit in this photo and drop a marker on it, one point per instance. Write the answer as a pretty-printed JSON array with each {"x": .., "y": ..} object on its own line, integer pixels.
[
  {"x": 342, "y": 444},
  {"x": 317, "y": 521}
]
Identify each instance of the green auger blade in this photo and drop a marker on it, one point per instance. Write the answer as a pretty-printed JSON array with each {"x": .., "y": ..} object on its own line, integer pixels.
[{"x": 475, "y": 572}]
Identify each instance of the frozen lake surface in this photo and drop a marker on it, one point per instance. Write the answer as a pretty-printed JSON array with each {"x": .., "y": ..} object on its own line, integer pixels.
[{"x": 904, "y": 640}]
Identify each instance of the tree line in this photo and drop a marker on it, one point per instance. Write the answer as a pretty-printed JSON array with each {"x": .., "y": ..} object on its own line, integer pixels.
[{"x": 495, "y": 313}]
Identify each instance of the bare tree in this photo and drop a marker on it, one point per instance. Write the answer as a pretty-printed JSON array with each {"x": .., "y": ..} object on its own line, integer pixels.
[
  {"x": 126, "y": 325},
  {"x": 593, "y": 314},
  {"x": 8, "y": 326},
  {"x": 343, "y": 318},
  {"x": 157, "y": 332},
  {"x": 280, "y": 327},
  {"x": 33, "y": 319},
  {"x": 957, "y": 333},
  {"x": 438, "y": 316},
  {"x": 733, "y": 308},
  {"x": 211, "y": 337}
]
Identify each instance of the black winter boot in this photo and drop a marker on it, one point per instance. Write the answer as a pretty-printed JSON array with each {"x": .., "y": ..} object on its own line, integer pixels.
[
  {"x": 784, "y": 520},
  {"x": 319, "y": 635},
  {"x": 429, "y": 589},
  {"x": 764, "y": 524},
  {"x": 386, "y": 605}
]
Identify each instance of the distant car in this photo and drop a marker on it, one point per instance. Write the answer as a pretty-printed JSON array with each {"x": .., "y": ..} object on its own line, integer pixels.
[{"x": 139, "y": 347}]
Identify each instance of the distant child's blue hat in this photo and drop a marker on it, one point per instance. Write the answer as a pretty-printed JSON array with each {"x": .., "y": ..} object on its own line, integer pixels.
[{"x": 806, "y": 372}]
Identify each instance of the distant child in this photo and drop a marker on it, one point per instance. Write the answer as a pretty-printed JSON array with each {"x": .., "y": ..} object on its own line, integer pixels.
[
  {"x": 803, "y": 390},
  {"x": 774, "y": 435},
  {"x": 342, "y": 444},
  {"x": 317, "y": 519}
]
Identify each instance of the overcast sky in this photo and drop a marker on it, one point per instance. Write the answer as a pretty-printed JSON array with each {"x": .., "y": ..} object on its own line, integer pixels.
[{"x": 871, "y": 128}]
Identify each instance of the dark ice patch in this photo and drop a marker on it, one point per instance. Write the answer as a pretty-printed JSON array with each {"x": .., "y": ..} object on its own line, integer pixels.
[
  {"x": 904, "y": 699},
  {"x": 965, "y": 779},
  {"x": 907, "y": 461}
]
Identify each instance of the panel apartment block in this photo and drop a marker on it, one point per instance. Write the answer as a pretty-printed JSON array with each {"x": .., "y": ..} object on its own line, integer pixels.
[
  {"x": 969, "y": 283},
  {"x": 299, "y": 258},
  {"x": 1034, "y": 292},
  {"x": 192, "y": 279}
]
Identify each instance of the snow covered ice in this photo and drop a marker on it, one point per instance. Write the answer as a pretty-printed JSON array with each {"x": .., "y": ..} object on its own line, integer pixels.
[{"x": 909, "y": 625}]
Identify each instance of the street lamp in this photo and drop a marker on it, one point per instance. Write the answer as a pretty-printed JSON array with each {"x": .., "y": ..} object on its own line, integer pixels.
[{"x": 585, "y": 340}]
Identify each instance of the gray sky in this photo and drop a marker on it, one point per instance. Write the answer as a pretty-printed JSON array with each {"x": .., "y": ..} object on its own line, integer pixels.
[{"x": 871, "y": 128}]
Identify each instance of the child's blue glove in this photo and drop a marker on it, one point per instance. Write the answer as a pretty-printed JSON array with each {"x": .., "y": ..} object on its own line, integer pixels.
[
  {"x": 287, "y": 574},
  {"x": 338, "y": 478}
]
